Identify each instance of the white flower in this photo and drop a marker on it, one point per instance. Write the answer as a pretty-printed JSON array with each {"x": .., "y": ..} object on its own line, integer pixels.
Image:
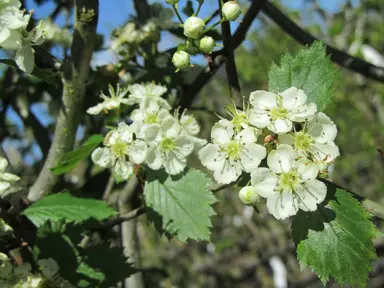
[
  {"x": 316, "y": 140},
  {"x": 190, "y": 128},
  {"x": 11, "y": 18},
  {"x": 128, "y": 35},
  {"x": 289, "y": 184},
  {"x": 120, "y": 152},
  {"x": 144, "y": 118},
  {"x": 194, "y": 27},
  {"x": 111, "y": 102},
  {"x": 231, "y": 153},
  {"x": 277, "y": 112},
  {"x": 169, "y": 148},
  {"x": 240, "y": 118},
  {"x": 148, "y": 95},
  {"x": 5, "y": 178}
]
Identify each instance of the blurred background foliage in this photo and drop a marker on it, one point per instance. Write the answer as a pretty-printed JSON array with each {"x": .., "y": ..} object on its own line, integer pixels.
[{"x": 246, "y": 247}]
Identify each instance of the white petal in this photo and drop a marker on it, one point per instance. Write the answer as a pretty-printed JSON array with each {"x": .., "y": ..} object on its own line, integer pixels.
[
  {"x": 96, "y": 109},
  {"x": 154, "y": 159},
  {"x": 3, "y": 164},
  {"x": 103, "y": 157},
  {"x": 229, "y": 172},
  {"x": 280, "y": 126},
  {"x": 138, "y": 151},
  {"x": 197, "y": 142},
  {"x": 25, "y": 58},
  {"x": 258, "y": 119},
  {"x": 4, "y": 186},
  {"x": 184, "y": 146},
  {"x": 222, "y": 132},
  {"x": 8, "y": 177},
  {"x": 304, "y": 113},
  {"x": 170, "y": 127},
  {"x": 322, "y": 129},
  {"x": 311, "y": 194},
  {"x": 247, "y": 135},
  {"x": 211, "y": 158},
  {"x": 281, "y": 159},
  {"x": 4, "y": 34},
  {"x": 325, "y": 152},
  {"x": 125, "y": 132},
  {"x": 189, "y": 123},
  {"x": 264, "y": 181},
  {"x": 307, "y": 169},
  {"x": 293, "y": 98},
  {"x": 152, "y": 133},
  {"x": 251, "y": 156},
  {"x": 122, "y": 169},
  {"x": 288, "y": 139},
  {"x": 262, "y": 100},
  {"x": 174, "y": 165},
  {"x": 282, "y": 205},
  {"x": 13, "y": 41}
]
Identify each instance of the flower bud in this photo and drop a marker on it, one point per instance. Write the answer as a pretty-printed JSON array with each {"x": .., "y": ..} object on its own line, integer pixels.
[
  {"x": 172, "y": 2},
  {"x": 231, "y": 10},
  {"x": 181, "y": 59},
  {"x": 207, "y": 44},
  {"x": 194, "y": 27},
  {"x": 249, "y": 196}
]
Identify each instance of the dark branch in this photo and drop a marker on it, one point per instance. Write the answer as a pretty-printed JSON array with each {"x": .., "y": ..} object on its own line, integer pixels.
[{"x": 343, "y": 59}]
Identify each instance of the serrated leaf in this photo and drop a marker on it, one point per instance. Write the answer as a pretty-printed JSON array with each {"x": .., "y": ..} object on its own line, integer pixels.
[
  {"x": 310, "y": 70},
  {"x": 336, "y": 240},
  {"x": 64, "y": 206},
  {"x": 184, "y": 202},
  {"x": 71, "y": 159}
]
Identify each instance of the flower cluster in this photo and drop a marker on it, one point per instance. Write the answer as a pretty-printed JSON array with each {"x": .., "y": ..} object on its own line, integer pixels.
[
  {"x": 155, "y": 137},
  {"x": 194, "y": 29},
  {"x": 15, "y": 37},
  {"x": 299, "y": 143},
  {"x": 21, "y": 276},
  {"x": 5, "y": 178}
]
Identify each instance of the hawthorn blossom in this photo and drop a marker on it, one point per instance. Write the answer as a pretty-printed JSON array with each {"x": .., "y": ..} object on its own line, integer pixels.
[
  {"x": 169, "y": 147},
  {"x": 289, "y": 184},
  {"x": 277, "y": 112},
  {"x": 229, "y": 153},
  {"x": 148, "y": 95},
  {"x": 316, "y": 140},
  {"x": 111, "y": 102},
  {"x": 11, "y": 19},
  {"x": 121, "y": 152},
  {"x": 6, "y": 179},
  {"x": 190, "y": 128}
]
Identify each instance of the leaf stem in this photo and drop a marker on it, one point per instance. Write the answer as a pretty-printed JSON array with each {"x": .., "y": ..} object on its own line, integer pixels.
[{"x": 177, "y": 13}]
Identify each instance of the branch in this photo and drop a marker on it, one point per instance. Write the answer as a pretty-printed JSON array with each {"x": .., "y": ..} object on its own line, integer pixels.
[
  {"x": 218, "y": 59},
  {"x": 75, "y": 76},
  {"x": 343, "y": 59},
  {"x": 230, "y": 63}
]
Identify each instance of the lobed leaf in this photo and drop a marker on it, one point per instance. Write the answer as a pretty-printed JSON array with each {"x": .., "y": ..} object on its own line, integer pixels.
[
  {"x": 310, "y": 70},
  {"x": 336, "y": 240},
  {"x": 184, "y": 202}
]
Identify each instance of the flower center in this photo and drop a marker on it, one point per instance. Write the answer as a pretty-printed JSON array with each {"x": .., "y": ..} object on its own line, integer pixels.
[
  {"x": 278, "y": 113},
  {"x": 167, "y": 144},
  {"x": 303, "y": 141},
  {"x": 239, "y": 119},
  {"x": 232, "y": 150},
  {"x": 151, "y": 119},
  {"x": 119, "y": 148},
  {"x": 289, "y": 180}
]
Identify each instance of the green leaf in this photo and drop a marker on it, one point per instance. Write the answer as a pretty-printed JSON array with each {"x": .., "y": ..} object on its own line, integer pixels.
[
  {"x": 310, "y": 70},
  {"x": 71, "y": 159},
  {"x": 64, "y": 206},
  {"x": 336, "y": 240},
  {"x": 184, "y": 202}
]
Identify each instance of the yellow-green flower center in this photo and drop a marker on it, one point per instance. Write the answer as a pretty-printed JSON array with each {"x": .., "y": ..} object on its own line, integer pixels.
[
  {"x": 232, "y": 150},
  {"x": 278, "y": 113},
  {"x": 119, "y": 148},
  {"x": 167, "y": 144},
  {"x": 303, "y": 141},
  {"x": 151, "y": 119},
  {"x": 289, "y": 180},
  {"x": 239, "y": 119}
]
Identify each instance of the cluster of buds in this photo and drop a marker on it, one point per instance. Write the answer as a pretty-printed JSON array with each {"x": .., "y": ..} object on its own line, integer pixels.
[
  {"x": 154, "y": 136},
  {"x": 297, "y": 141},
  {"x": 195, "y": 30}
]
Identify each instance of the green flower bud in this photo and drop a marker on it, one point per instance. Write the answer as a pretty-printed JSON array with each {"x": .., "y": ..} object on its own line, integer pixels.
[
  {"x": 249, "y": 196},
  {"x": 181, "y": 59},
  {"x": 172, "y": 2},
  {"x": 194, "y": 27},
  {"x": 207, "y": 44},
  {"x": 231, "y": 10}
]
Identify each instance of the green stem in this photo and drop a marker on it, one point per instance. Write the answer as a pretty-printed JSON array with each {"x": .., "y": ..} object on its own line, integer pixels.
[
  {"x": 213, "y": 26},
  {"x": 198, "y": 8},
  {"x": 177, "y": 14}
]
